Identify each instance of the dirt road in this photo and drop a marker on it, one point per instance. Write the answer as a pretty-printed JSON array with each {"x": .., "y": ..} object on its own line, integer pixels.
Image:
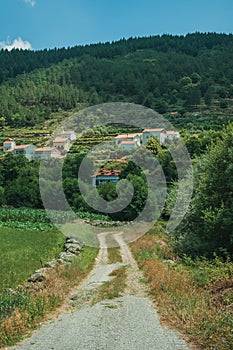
[{"x": 126, "y": 323}]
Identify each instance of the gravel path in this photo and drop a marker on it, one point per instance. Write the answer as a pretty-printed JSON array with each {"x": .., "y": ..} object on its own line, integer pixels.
[{"x": 126, "y": 323}]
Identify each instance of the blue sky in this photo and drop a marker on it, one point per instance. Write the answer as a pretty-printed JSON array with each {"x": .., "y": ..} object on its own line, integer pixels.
[{"x": 42, "y": 24}]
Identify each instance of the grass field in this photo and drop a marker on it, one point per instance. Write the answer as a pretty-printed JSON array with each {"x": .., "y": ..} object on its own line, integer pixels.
[{"x": 23, "y": 251}]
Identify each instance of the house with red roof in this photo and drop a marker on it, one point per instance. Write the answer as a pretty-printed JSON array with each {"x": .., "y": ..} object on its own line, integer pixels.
[
  {"x": 104, "y": 176},
  {"x": 8, "y": 144},
  {"x": 25, "y": 150},
  {"x": 62, "y": 143},
  {"x": 69, "y": 134},
  {"x": 128, "y": 141},
  {"x": 47, "y": 153}
]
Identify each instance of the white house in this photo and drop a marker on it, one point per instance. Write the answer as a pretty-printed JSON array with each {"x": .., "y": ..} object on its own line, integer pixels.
[
  {"x": 69, "y": 134},
  {"x": 62, "y": 144},
  {"x": 128, "y": 137},
  {"x": 171, "y": 135},
  {"x": 105, "y": 176},
  {"x": 159, "y": 133},
  {"x": 47, "y": 153},
  {"x": 8, "y": 144},
  {"x": 25, "y": 150},
  {"x": 128, "y": 145}
]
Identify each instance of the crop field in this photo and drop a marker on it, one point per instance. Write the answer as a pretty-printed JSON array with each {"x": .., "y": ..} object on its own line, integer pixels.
[{"x": 38, "y": 220}]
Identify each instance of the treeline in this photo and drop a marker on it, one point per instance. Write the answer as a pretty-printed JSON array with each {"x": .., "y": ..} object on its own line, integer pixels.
[
  {"x": 162, "y": 72},
  {"x": 18, "y": 61}
]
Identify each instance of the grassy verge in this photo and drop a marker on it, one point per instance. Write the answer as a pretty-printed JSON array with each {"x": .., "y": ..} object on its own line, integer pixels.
[
  {"x": 114, "y": 288},
  {"x": 194, "y": 297},
  {"x": 24, "y": 307},
  {"x": 114, "y": 255}
]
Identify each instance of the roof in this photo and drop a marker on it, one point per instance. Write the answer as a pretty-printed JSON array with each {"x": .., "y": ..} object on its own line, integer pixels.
[
  {"x": 172, "y": 132},
  {"x": 125, "y": 136},
  {"x": 68, "y": 132},
  {"x": 107, "y": 173},
  {"x": 46, "y": 149},
  {"x": 8, "y": 142},
  {"x": 60, "y": 140},
  {"x": 128, "y": 143},
  {"x": 20, "y": 147},
  {"x": 154, "y": 130}
]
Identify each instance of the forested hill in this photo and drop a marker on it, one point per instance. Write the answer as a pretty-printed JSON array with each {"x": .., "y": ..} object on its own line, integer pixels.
[{"x": 184, "y": 73}]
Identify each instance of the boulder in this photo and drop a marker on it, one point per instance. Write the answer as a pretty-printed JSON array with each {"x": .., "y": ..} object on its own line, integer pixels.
[
  {"x": 66, "y": 256},
  {"x": 36, "y": 277}
]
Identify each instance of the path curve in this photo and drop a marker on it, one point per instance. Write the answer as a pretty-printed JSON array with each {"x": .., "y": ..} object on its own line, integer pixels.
[{"x": 126, "y": 323}]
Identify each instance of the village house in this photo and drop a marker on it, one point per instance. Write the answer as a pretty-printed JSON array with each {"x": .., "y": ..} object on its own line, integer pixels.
[
  {"x": 68, "y": 134},
  {"x": 47, "y": 153},
  {"x": 25, "y": 150},
  {"x": 8, "y": 144},
  {"x": 62, "y": 143},
  {"x": 105, "y": 176},
  {"x": 159, "y": 133},
  {"x": 128, "y": 145},
  {"x": 128, "y": 137},
  {"x": 171, "y": 135}
]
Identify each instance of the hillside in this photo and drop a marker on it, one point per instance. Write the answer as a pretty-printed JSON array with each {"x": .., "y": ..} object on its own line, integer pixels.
[{"x": 189, "y": 74}]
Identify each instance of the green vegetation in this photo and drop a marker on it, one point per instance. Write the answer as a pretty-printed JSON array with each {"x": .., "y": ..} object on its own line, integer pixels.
[
  {"x": 114, "y": 288},
  {"x": 193, "y": 296},
  {"x": 24, "y": 251},
  {"x": 166, "y": 73},
  {"x": 207, "y": 227},
  {"x": 23, "y": 309}
]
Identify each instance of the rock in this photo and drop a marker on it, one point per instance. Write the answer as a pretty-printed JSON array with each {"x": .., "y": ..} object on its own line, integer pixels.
[
  {"x": 36, "y": 277},
  {"x": 169, "y": 261},
  {"x": 52, "y": 263},
  {"x": 66, "y": 256},
  {"x": 74, "y": 240},
  {"x": 73, "y": 248}
]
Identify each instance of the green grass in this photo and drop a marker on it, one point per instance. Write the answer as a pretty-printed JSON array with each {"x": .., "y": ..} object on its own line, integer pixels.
[{"x": 23, "y": 251}]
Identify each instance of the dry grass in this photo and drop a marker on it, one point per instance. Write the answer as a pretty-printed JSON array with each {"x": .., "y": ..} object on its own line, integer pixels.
[
  {"x": 183, "y": 302},
  {"x": 114, "y": 288},
  {"x": 40, "y": 299}
]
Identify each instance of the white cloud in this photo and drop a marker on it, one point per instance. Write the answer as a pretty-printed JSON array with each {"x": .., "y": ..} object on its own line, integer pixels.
[
  {"x": 17, "y": 44},
  {"x": 30, "y": 2}
]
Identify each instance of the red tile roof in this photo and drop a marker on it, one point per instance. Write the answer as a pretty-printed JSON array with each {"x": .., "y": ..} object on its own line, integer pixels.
[
  {"x": 107, "y": 173},
  {"x": 60, "y": 140},
  {"x": 19, "y": 147},
  {"x": 128, "y": 143},
  {"x": 46, "y": 149},
  {"x": 127, "y": 136},
  {"x": 172, "y": 132},
  {"x": 154, "y": 130}
]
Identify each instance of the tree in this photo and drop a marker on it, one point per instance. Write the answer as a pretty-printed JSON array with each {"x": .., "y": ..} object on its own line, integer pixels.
[{"x": 207, "y": 228}]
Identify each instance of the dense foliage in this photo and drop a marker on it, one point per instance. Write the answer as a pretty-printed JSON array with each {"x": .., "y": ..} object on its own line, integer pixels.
[
  {"x": 163, "y": 73},
  {"x": 207, "y": 228}
]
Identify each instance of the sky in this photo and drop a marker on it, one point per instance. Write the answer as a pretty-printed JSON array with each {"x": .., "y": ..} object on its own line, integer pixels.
[{"x": 40, "y": 24}]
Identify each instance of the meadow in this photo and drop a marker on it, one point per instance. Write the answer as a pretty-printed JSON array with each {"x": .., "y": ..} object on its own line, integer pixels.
[
  {"x": 28, "y": 240},
  {"x": 192, "y": 296}
]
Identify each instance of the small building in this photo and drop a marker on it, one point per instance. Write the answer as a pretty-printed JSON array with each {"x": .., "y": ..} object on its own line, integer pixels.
[
  {"x": 47, "y": 153},
  {"x": 171, "y": 135},
  {"x": 105, "y": 176},
  {"x": 128, "y": 137},
  {"x": 159, "y": 133},
  {"x": 69, "y": 134},
  {"x": 62, "y": 143},
  {"x": 25, "y": 150},
  {"x": 8, "y": 144},
  {"x": 128, "y": 145}
]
